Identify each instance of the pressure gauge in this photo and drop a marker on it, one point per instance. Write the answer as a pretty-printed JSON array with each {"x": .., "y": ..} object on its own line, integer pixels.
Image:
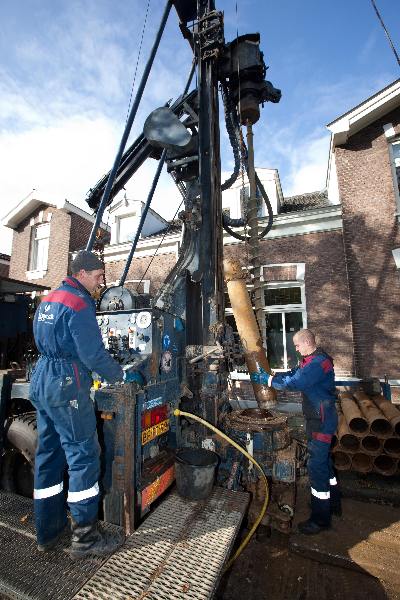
[
  {"x": 132, "y": 318},
  {"x": 143, "y": 320},
  {"x": 99, "y": 320}
]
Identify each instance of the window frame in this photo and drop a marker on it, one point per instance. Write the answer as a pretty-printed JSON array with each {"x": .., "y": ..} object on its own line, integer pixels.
[
  {"x": 284, "y": 308},
  {"x": 33, "y": 254},
  {"x": 276, "y": 308},
  {"x": 119, "y": 219},
  {"x": 391, "y": 143}
]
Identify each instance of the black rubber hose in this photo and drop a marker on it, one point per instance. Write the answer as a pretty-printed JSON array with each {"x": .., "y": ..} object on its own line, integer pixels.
[{"x": 233, "y": 127}]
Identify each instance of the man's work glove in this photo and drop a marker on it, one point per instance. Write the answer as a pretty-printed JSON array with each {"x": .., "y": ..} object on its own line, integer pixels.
[
  {"x": 261, "y": 377},
  {"x": 132, "y": 375}
]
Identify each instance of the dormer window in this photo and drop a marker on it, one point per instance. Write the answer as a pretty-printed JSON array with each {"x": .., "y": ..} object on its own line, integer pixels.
[
  {"x": 127, "y": 225},
  {"x": 39, "y": 247}
]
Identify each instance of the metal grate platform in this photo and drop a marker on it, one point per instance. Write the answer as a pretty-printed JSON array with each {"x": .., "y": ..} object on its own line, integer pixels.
[
  {"x": 25, "y": 573},
  {"x": 177, "y": 554}
]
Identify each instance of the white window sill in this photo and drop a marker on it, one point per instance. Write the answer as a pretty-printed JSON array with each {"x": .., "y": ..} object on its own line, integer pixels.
[{"x": 35, "y": 274}]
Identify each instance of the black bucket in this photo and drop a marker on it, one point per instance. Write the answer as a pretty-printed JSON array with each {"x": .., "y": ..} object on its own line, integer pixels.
[{"x": 195, "y": 472}]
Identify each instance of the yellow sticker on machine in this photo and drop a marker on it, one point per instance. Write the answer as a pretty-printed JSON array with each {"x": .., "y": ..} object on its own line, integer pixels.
[{"x": 153, "y": 432}]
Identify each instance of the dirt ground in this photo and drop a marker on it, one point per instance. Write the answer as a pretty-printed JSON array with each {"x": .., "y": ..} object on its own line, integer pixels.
[
  {"x": 267, "y": 569},
  {"x": 366, "y": 540}
]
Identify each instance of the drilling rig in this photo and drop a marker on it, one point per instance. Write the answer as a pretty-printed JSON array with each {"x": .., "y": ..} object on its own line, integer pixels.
[{"x": 177, "y": 345}]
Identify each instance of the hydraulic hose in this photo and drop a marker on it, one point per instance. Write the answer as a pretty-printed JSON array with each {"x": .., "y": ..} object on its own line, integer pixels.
[{"x": 181, "y": 413}]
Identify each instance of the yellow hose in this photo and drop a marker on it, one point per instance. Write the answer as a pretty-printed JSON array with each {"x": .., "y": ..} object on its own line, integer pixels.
[{"x": 181, "y": 413}]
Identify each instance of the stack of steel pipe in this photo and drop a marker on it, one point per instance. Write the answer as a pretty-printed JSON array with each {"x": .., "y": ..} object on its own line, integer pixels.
[{"x": 368, "y": 434}]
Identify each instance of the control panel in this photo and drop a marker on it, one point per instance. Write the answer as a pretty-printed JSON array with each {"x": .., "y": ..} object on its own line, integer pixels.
[
  {"x": 151, "y": 341},
  {"x": 127, "y": 334}
]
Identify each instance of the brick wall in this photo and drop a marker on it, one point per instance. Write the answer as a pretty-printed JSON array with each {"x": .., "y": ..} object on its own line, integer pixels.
[
  {"x": 326, "y": 289},
  {"x": 327, "y": 295},
  {"x": 80, "y": 232},
  {"x": 60, "y": 224},
  {"x": 371, "y": 231},
  {"x": 159, "y": 269}
]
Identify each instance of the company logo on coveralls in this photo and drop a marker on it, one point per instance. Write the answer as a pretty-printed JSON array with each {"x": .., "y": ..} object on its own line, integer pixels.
[{"x": 46, "y": 317}]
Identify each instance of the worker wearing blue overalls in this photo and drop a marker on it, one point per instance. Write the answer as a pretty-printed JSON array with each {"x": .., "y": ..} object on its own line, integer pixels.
[
  {"x": 315, "y": 378},
  {"x": 70, "y": 345}
]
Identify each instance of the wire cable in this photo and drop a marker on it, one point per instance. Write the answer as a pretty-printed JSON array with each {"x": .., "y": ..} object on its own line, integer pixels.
[
  {"x": 386, "y": 32},
  {"x": 137, "y": 61},
  {"x": 157, "y": 249}
]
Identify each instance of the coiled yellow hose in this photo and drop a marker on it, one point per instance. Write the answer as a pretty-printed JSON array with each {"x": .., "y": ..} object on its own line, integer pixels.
[{"x": 181, "y": 413}]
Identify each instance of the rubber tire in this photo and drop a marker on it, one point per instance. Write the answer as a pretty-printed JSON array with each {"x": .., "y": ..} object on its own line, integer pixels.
[{"x": 17, "y": 463}]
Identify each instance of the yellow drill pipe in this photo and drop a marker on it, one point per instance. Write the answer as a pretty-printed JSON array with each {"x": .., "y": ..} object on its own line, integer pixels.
[{"x": 248, "y": 330}]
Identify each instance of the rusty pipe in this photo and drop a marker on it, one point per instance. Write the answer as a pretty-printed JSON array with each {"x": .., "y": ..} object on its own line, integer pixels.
[
  {"x": 248, "y": 330},
  {"x": 370, "y": 444},
  {"x": 341, "y": 460},
  {"x": 392, "y": 446},
  {"x": 378, "y": 423},
  {"x": 385, "y": 465},
  {"x": 361, "y": 462},
  {"x": 357, "y": 423},
  {"x": 347, "y": 440},
  {"x": 389, "y": 410}
]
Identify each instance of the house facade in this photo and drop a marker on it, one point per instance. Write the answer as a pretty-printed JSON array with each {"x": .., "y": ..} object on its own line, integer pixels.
[
  {"x": 331, "y": 261},
  {"x": 365, "y": 163},
  {"x": 44, "y": 238}
]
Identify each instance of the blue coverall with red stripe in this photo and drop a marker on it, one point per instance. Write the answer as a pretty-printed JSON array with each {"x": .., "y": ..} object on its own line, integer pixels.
[
  {"x": 69, "y": 341},
  {"x": 315, "y": 378}
]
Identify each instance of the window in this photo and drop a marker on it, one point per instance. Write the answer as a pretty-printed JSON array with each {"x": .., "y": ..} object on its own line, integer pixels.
[
  {"x": 284, "y": 315},
  {"x": 282, "y": 295},
  {"x": 127, "y": 226},
  {"x": 40, "y": 247},
  {"x": 284, "y": 310},
  {"x": 396, "y": 163}
]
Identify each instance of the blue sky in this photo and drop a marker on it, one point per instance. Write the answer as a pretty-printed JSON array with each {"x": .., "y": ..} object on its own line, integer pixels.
[{"x": 66, "y": 71}]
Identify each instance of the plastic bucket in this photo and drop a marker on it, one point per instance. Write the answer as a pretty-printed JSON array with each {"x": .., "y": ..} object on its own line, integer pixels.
[{"x": 195, "y": 472}]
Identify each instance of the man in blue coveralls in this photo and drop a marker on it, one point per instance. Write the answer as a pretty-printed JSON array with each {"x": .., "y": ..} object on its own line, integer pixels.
[
  {"x": 70, "y": 345},
  {"x": 315, "y": 378}
]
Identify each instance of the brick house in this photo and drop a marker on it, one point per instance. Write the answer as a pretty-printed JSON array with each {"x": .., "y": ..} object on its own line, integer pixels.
[
  {"x": 331, "y": 260},
  {"x": 44, "y": 237},
  {"x": 329, "y": 263},
  {"x": 365, "y": 162}
]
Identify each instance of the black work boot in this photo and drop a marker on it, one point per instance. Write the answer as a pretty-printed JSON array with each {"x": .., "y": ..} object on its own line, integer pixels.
[
  {"x": 310, "y": 527},
  {"x": 320, "y": 518},
  {"x": 51, "y": 544},
  {"x": 89, "y": 540}
]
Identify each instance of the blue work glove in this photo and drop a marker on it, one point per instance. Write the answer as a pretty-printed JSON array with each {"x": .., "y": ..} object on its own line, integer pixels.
[
  {"x": 131, "y": 375},
  {"x": 261, "y": 377}
]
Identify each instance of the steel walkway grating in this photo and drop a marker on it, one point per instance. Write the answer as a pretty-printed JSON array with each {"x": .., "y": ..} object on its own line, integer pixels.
[
  {"x": 25, "y": 573},
  {"x": 177, "y": 554}
]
